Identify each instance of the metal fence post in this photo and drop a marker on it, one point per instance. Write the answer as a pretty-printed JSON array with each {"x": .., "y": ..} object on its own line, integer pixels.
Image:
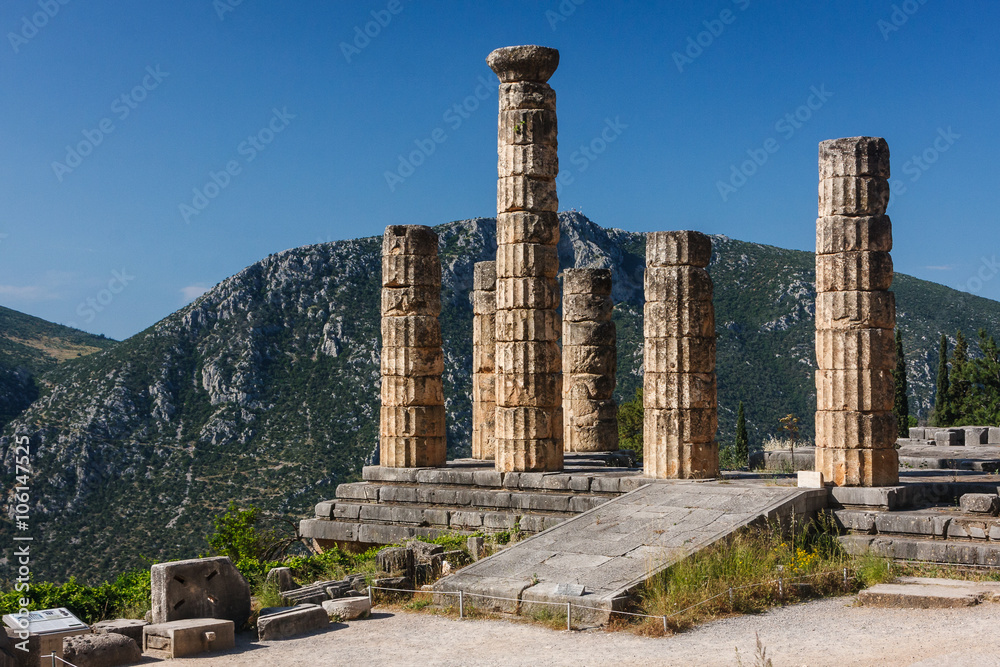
[
  {"x": 664, "y": 624},
  {"x": 845, "y": 578},
  {"x": 569, "y": 616},
  {"x": 371, "y": 601},
  {"x": 461, "y": 604}
]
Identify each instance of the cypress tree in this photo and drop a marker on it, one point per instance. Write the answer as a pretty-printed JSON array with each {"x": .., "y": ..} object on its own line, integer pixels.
[
  {"x": 959, "y": 386},
  {"x": 941, "y": 416},
  {"x": 742, "y": 443},
  {"x": 902, "y": 405}
]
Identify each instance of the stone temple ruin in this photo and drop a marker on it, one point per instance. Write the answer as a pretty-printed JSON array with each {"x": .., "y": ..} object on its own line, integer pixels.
[{"x": 544, "y": 432}]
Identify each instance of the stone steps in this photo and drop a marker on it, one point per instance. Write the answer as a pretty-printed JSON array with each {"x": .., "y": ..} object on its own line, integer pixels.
[
  {"x": 929, "y": 593},
  {"x": 924, "y": 549}
]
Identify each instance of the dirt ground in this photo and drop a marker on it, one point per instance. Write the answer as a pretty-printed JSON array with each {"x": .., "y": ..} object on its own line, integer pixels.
[{"x": 825, "y": 632}]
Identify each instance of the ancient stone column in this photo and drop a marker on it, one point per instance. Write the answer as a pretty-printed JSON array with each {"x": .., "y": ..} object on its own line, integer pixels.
[
  {"x": 590, "y": 360},
  {"x": 528, "y": 360},
  {"x": 679, "y": 388},
  {"x": 484, "y": 341},
  {"x": 855, "y": 316},
  {"x": 412, "y": 433}
]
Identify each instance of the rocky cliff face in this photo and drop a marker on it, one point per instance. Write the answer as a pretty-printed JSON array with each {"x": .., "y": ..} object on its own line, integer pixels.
[{"x": 265, "y": 389}]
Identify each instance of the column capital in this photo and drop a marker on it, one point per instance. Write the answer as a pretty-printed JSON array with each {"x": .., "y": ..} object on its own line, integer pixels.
[{"x": 523, "y": 63}]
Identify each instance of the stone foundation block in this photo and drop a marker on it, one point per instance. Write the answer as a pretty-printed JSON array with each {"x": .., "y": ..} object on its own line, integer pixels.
[
  {"x": 976, "y": 435},
  {"x": 526, "y": 293},
  {"x": 671, "y": 319},
  {"x": 856, "y": 310},
  {"x": 527, "y": 227},
  {"x": 674, "y": 355},
  {"x": 855, "y": 390},
  {"x": 412, "y": 391},
  {"x": 521, "y": 260},
  {"x": 524, "y": 193},
  {"x": 678, "y": 247},
  {"x": 679, "y": 390},
  {"x": 854, "y": 271},
  {"x": 980, "y": 503},
  {"x": 841, "y": 233},
  {"x": 411, "y": 271},
  {"x": 177, "y": 639},
  {"x": 853, "y": 196},
  {"x": 858, "y": 467},
  {"x": 951, "y": 437},
  {"x": 844, "y": 349}
]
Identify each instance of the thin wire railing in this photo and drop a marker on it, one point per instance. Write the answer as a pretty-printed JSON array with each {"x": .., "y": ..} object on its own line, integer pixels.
[
  {"x": 56, "y": 657},
  {"x": 731, "y": 592}
]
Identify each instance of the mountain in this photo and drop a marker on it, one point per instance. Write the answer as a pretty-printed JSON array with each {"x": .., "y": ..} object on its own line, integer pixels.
[
  {"x": 265, "y": 389},
  {"x": 29, "y": 346}
]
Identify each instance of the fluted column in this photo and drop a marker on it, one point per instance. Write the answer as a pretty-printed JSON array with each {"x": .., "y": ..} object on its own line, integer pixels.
[
  {"x": 590, "y": 360},
  {"x": 855, "y": 316},
  {"x": 412, "y": 430},
  {"x": 528, "y": 360},
  {"x": 484, "y": 341},
  {"x": 679, "y": 387}
]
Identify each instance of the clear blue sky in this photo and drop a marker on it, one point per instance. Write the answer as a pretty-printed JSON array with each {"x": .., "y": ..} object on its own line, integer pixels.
[{"x": 924, "y": 75}]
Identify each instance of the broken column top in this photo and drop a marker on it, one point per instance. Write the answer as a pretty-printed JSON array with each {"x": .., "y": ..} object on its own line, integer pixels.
[
  {"x": 484, "y": 276},
  {"x": 587, "y": 281},
  {"x": 523, "y": 63},
  {"x": 409, "y": 240},
  {"x": 854, "y": 156},
  {"x": 683, "y": 248}
]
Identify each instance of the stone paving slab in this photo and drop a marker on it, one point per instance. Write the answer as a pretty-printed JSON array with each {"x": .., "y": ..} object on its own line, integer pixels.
[{"x": 613, "y": 548}]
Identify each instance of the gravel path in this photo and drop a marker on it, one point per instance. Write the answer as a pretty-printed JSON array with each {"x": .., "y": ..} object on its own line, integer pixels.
[{"x": 825, "y": 632}]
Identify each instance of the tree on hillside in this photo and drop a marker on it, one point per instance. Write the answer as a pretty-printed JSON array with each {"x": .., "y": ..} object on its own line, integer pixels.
[
  {"x": 902, "y": 405},
  {"x": 630, "y": 419},
  {"x": 742, "y": 443},
  {"x": 959, "y": 385},
  {"x": 975, "y": 383},
  {"x": 940, "y": 416}
]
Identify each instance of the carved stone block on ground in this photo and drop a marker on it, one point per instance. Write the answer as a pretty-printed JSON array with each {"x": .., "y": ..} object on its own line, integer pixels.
[
  {"x": 199, "y": 588},
  {"x": 291, "y": 622},
  {"x": 103, "y": 650},
  {"x": 191, "y": 636}
]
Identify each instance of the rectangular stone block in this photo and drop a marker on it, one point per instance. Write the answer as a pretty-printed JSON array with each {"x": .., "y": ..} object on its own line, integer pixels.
[
  {"x": 191, "y": 636},
  {"x": 535, "y": 160},
  {"x": 524, "y": 193},
  {"x": 484, "y": 387},
  {"x": 678, "y": 247},
  {"x": 527, "y": 95},
  {"x": 590, "y": 359},
  {"x": 288, "y": 623},
  {"x": 810, "y": 479},
  {"x": 994, "y": 436},
  {"x": 664, "y": 319},
  {"x": 917, "y": 432},
  {"x": 854, "y": 271},
  {"x": 411, "y": 271},
  {"x": 855, "y": 390},
  {"x": 522, "y": 260},
  {"x": 484, "y": 276},
  {"x": 952, "y": 437},
  {"x": 529, "y": 423},
  {"x": 483, "y": 302},
  {"x": 977, "y": 435},
  {"x": 527, "y": 293},
  {"x": 674, "y": 460},
  {"x": 527, "y": 227},
  {"x": 528, "y": 126},
  {"x": 854, "y": 156},
  {"x": 842, "y": 429},
  {"x": 853, "y": 195},
  {"x": 843, "y": 349},
  {"x": 679, "y": 426},
  {"x": 411, "y": 331},
  {"x": 676, "y": 355},
  {"x": 412, "y": 361},
  {"x": 596, "y": 282},
  {"x": 587, "y": 308},
  {"x": 528, "y": 455},
  {"x": 529, "y": 356},
  {"x": 398, "y": 390},
  {"x": 856, "y": 310},
  {"x": 528, "y": 389},
  {"x": 858, "y": 467},
  {"x": 524, "y": 324},
  {"x": 199, "y": 588},
  {"x": 402, "y": 301},
  {"x": 677, "y": 283},
  {"x": 412, "y": 452},
  {"x": 589, "y": 333},
  {"x": 840, "y": 233},
  {"x": 670, "y": 391},
  {"x": 587, "y": 386},
  {"x": 408, "y": 422}
]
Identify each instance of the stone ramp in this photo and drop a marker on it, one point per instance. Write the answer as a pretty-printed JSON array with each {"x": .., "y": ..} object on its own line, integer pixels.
[{"x": 613, "y": 548}]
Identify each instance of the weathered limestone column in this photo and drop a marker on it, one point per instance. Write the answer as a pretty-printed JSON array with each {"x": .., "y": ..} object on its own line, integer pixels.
[
  {"x": 412, "y": 433},
  {"x": 855, "y": 316},
  {"x": 528, "y": 360},
  {"x": 679, "y": 388},
  {"x": 590, "y": 361},
  {"x": 484, "y": 341}
]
